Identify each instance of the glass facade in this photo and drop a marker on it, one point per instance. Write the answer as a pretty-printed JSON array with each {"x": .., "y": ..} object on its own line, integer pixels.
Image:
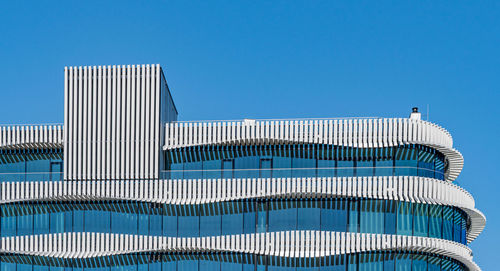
[
  {"x": 310, "y": 160},
  {"x": 237, "y": 217},
  {"x": 358, "y": 215},
  {"x": 375, "y": 261},
  {"x": 31, "y": 165}
]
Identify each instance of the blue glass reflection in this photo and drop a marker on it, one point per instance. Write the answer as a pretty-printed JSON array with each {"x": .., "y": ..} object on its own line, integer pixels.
[
  {"x": 310, "y": 160},
  {"x": 237, "y": 217},
  {"x": 31, "y": 165},
  {"x": 377, "y": 261}
]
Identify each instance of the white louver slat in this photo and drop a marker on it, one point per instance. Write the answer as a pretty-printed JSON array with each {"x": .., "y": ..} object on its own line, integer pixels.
[
  {"x": 294, "y": 244},
  {"x": 424, "y": 190},
  {"x": 362, "y": 133},
  {"x": 31, "y": 136}
]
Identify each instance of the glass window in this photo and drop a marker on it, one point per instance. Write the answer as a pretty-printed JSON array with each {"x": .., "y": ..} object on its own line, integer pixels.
[
  {"x": 384, "y": 167},
  {"x": 406, "y": 161},
  {"x": 447, "y": 223},
  {"x": 227, "y": 168},
  {"x": 334, "y": 263},
  {"x": 371, "y": 216},
  {"x": 266, "y": 165},
  {"x": 210, "y": 220},
  {"x": 230, "y": 265},
  {"x": 57, "y": 223},
  {"x": 435, "y": 221},
  {"x": 208, "y": 265},
  {"x": 457, "y": 226},
  {"x": 353, "y": 215},
  {"x": 187, "y": 264},
  {"x": 326, "y": 168},
  {"x": 345, "y": 168},
  {"x": 68, "y": 221},
  {"x": 143, "y": 222},
  {"x": 232, "y": 221},
  {"x": 9, "y": 221},
  {"x": 303, "y": 161},
  {"x": 177, "y": 171},
  {"x": 41, "y": 223},
  {"x": 421, "y": 220},
  {"x": 303, "y": 167},
  {"x": 193, "y": 170},
  {"x": 155, "y": 223},
  {"x": 97, "y": 221},
  {"x": 24, "y": 221},
  {"x": 125, "y": 223},
  {"x": 282, "y": 167},
  {"x": 261, "y": 217},
  {"x": 434, "y": 263},
  {"x": 405, "y": 218},
  {"x": 309, "y": 215},
  {"x": 24, "y": 267},
  {"x": 371, "y": 262},
  {"x": 37, "y": 170},
  {"x": 188, "y": 221},
  {"x": 170, "y": 221},
  {"x": 403, "y": 262},
  {"x": 419, "y": 262},
  {"x": 282, "y": 215},
  {"x": 334, "y": 215},
  {"x": 212, "y": 169},
  {"x": 352, "y": 262},
  {"x": 364, "y": 168},
  {"x": 246, "y": 167},
  {"x": 249, "y": 216},
  {"x": 390, "y": 217},
  {"x": 389, "y": 262},
  {"x": 425, "y": 164}
]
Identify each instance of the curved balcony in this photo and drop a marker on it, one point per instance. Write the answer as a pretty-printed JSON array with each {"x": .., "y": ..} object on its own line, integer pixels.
[
  {"x": 89, "y": 248},
  {"x": 357, "y": 133},
  {"x": 189, "y": 192}
]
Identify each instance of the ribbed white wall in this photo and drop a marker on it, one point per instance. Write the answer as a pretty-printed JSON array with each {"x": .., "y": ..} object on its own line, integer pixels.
[
  {"x": 361, "y": 133},
  {"x": 31, "y": 136},
  {"x": 294, "y": 244},
  {"x": 402, "y": 188},
  {"x": 112, "y": 122}
]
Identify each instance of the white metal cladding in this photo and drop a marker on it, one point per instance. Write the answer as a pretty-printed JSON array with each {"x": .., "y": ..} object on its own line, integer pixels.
[
  {"x": 31, "y": 136},
  {"x": 361, "y": 133},
  {"x": 293, "y": 244},
  {"x": 200, "y": 191},
  {"x": 112, "y": 122}
]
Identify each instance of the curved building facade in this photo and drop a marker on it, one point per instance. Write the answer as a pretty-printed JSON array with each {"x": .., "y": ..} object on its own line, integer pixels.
[{"x": 123, "y": 185}]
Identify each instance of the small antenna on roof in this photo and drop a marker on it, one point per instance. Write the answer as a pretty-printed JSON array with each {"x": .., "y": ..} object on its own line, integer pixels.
[{"x": 427, "y": 112}]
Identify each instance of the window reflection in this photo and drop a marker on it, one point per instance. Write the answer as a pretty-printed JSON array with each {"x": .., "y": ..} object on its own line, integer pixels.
[
  {"x": 31, "y": 165},
  {"x": 237, "y": 217},
  {"x": 310, "y": 160},
  {"x": 390, "y": 260}
]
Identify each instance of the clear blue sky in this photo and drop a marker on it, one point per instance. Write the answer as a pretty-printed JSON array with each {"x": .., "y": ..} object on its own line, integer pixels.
[{"x": 280, "y": 59}]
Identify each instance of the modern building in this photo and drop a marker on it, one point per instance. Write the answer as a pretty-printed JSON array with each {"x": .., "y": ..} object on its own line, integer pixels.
[{"x": 123, "y": 185}]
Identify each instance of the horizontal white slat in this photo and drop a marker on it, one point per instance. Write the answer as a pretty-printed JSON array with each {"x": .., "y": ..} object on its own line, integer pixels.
[
  {"x": 362, "y": 133},
  {"x": 402, "y": 188},
  {"x": 296, "y": 244},
  {"x": 31, "y": 136}
]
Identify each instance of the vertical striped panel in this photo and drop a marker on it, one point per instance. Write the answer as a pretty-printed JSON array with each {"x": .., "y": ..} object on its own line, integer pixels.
[{"x": 113, "y": 115}]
